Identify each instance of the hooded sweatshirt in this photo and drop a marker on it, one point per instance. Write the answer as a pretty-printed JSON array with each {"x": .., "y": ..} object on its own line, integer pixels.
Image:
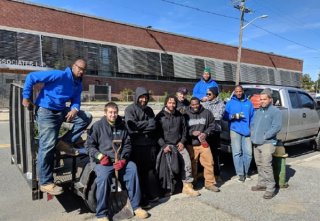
[
  {"x": 59, "y": 87},
  {"x": 235, "y": 105},
  {"x": 140, "y": 121},
  {"x": 171, "y": 128},
  {"x": 202, "y": 121},
  {"x": 200, "y": 89},
  {"x": 101, "y": 135}
]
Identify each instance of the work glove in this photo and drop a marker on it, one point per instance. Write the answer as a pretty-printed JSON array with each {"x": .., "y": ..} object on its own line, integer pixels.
[
  {"x": 103, "y": 159},
  {"x": 119, "y": 165},
  {"x": 237, "y": 116}
]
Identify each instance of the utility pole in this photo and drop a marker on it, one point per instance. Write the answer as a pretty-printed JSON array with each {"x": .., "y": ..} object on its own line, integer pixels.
[{"x": 243, "y": 9}]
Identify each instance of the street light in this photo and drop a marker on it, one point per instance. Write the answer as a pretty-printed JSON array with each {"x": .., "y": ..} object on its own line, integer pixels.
[{"x": 240, "y": 42}]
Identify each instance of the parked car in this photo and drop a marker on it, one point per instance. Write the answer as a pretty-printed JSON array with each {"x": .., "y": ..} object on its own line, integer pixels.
[{"x": 300, "y": 116}]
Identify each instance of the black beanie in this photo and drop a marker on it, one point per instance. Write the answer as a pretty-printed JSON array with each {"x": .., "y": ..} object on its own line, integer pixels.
[{"x": 214, "y": 90}]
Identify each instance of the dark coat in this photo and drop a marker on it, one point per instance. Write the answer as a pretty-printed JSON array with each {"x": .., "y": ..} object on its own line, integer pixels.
[
  {"x": 101, "y": 135},
  {"x": 202, "y": 121},
  {"x": 140, "y": 121},
  {"x": 167, "y": 168},
  {"x": 171, "y": 128}
]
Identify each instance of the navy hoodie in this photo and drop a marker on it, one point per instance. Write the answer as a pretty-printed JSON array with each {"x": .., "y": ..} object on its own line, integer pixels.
[{"x": 202, "y": 121}]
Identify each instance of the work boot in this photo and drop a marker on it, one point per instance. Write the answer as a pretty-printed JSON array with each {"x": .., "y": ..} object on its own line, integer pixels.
[
  {"x": 103, "y": 219},
  {"x": 213, "y": 188},
  {"x": 66, "y": 148},
  {"x": 141, "y": 213},
  {"x": 268, "y": 195},
  {"x": 248, "y": 177},
  {"x": 188, "y": 189},
  {"x": 241, "y": 179},
  {"x": 258, "y": 188},
  {"x": 218, "y": 179},
  {"x": 51, "y": 188}
]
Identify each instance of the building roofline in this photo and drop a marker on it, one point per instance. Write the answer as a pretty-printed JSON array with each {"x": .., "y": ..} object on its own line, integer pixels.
[{"x": 137, "y": 26}]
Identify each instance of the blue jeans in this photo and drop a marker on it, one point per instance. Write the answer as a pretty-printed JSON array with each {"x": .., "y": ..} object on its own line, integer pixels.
[
  {"x": 49, "y": 123},
  {"x": 128, "y": 175},
  {"x": 241, "y": 152}
]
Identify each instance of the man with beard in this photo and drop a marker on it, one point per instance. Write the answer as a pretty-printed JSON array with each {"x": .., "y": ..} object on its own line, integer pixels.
[
  {"x": 239, "y": 112},
  {"x": 200, "y": 89},
  {"x": 267, "y": 122},
  {"x": 216, "y": 106},
  {"x": 141, "y": 125},
  {"x": 172, "y": 133},
  {"x": 59, "y": 87},
  {"x": 100, "y": 148},
  {"x": 201, "y": 125}
]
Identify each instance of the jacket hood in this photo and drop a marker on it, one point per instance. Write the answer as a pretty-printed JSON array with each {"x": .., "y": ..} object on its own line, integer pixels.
[{"x": 140, "y": 91}]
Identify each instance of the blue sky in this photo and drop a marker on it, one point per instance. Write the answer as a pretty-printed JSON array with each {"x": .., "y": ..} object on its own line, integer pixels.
[{"x": 292, "y": 28}]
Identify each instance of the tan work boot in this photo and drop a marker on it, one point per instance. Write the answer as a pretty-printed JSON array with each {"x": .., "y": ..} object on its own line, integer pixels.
[
  {"x": 51, "y": 188},
  {"x": 66, "y": 148},
  {"x": 188, "y": 189},
  {"x": 213, "y": 188},
  {"x": 141, "y": 213}
]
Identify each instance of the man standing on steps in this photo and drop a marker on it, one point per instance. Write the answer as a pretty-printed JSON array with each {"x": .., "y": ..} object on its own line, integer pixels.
[
  {"x": 59, "y": 87},
  {"x": 172, "y": 133},
  {"x": 266, "y": 125}
]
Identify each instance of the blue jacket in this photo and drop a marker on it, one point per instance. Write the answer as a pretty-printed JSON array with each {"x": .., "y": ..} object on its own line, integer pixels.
[
  {"x": 267, "y": 122},
  {"x": 200, "y": 89},
  {"x": 240, "y": 126},
  {"x": 59, "y": 87}
]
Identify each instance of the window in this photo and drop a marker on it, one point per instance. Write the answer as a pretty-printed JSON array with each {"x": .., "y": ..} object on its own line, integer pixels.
[
  {"x": 294, "y": 99},
  {"x": 306, "y": 100},
  {"x": 250, "y": 92}
]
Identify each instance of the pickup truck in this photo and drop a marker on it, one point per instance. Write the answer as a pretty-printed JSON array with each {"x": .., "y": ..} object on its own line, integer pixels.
[{"x": 300, "y": 116}]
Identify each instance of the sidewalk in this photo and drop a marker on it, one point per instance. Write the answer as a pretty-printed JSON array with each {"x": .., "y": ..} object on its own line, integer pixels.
[
  {"x": 300, "y": 201},
  {"x": 95, "y": 108}
]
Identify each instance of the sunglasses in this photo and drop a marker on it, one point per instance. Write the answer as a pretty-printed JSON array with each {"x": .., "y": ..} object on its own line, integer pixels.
[{"x": 208, "y": 94}]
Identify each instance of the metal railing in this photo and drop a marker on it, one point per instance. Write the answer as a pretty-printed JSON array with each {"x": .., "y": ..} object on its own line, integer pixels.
[{"x": 23, "y": 145}]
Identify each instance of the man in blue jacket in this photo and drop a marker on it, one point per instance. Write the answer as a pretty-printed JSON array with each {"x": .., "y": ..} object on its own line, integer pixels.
[
  {"x": 239, "y": 112},
  {"x": 266, "y": 124},
  {"x": 58, "y": 88},
  {"x": 200, "y": 89},
  {"x": 99, "y": 144}
]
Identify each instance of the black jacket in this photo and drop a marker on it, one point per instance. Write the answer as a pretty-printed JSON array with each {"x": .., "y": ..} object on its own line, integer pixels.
[
  {"x": 140, "y": 121},
  {"x": 182, "y": 105},
  {"x": 101, "y": 135},
  {"x": 202, "y": 121},
  {"x": 167, "y": 167},
  {"x": 171, "y": 128}
]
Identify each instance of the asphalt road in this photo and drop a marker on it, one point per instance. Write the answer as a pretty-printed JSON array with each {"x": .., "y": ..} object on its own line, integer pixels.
[{"x": 301, "y": 201}]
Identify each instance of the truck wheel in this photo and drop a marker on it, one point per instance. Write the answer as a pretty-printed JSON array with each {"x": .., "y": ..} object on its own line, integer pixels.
[
  {"x": 91, "y": 201},
  {"x": 317, "y": 146}
]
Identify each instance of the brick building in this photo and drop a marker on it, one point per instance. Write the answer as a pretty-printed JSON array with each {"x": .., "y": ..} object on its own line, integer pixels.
[{"x": 37, "y": 37}]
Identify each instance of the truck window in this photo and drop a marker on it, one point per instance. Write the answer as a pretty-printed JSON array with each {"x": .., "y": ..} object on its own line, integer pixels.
[
  {"x": 254, "y": 92},
  {"x": 306, "y": 100},
  {"x": 294, "y": 99}
]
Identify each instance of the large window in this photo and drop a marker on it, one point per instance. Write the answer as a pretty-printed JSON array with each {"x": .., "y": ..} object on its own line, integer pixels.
[{"x": 8, "y": 45}]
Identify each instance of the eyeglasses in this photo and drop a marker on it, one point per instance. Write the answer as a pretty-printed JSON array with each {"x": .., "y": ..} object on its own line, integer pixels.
[
  {"x": 209, "y": 94},
  {"x": 81, "y": 68}
]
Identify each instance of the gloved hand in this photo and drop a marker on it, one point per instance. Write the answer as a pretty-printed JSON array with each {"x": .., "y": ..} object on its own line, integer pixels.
[
  {"x": 103, "y": 159},
  {"x": 237, "y": 116},
  {"x": 119, "y": 165}
]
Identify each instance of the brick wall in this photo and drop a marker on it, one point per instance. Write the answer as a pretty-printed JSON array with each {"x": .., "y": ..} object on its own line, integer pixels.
[{"x": 32, "y": 17}]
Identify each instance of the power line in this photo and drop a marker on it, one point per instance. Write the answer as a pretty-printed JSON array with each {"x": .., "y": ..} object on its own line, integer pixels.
[{"x": 235, "y": 18}]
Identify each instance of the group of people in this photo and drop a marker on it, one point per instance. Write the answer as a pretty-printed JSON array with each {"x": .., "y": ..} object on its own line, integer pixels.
[{"x": 156, "y": 151}]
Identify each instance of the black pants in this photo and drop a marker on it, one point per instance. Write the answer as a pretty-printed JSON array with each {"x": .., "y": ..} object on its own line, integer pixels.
[{"x": 145, "y": 159}]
